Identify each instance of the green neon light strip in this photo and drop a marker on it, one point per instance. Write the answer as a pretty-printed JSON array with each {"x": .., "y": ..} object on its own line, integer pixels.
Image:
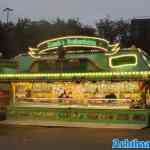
[
  {"x": 86, "y": 46},
  {"x": 32, "y": 54},
  {"x": 38, "y": 55},
  {"x": 33, "y": 51},
  {"x": 69, "y": 75},
  {"x": 115, "y": 51}
]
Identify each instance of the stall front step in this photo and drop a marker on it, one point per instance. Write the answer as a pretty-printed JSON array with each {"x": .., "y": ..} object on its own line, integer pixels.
[{"x": 70, "y": 124}]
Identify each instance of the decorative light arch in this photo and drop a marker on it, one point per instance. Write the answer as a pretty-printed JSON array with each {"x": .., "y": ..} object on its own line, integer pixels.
[{"x": 73, "y": 42}]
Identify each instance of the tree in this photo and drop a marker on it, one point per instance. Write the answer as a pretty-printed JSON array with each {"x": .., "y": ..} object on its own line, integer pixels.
[
  {"x": 110, "y": 30},
  {"x": 88, "y": 30},
  {"x": 62, "y": 28},
  {"x": 16, "y": 38},
  {"x": 122, "y": 28},
  {"x": 21, "y": 33},
  {"x": 105, "y": 28}
]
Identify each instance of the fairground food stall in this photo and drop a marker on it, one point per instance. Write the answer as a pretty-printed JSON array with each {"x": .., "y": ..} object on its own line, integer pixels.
[{"x": 79, "y": 79}]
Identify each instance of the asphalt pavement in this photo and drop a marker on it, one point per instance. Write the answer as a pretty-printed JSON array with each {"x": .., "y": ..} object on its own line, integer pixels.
[{"x": 60, "y": 138}]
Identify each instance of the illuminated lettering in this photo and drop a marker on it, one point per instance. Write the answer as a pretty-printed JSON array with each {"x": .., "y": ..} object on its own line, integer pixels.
[{"x": 67, "y": 42}]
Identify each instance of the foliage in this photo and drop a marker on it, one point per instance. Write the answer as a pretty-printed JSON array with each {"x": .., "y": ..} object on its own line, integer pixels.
[
  {"x": 16, "y": 38},
  {"x": 114, "y": 31}
]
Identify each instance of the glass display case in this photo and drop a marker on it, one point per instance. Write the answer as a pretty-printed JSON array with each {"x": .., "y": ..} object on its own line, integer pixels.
[{"x": 77, "y": 92}]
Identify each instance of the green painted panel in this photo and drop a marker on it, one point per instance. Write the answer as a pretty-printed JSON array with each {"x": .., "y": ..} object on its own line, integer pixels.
[
  {"x": 117, "y": 116},
  {"x": 123, "y": 60}
]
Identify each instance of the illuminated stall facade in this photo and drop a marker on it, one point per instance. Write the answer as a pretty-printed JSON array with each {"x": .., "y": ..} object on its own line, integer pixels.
[
  {"x": 88, "y": 93},
  {"x": 80, "y": 79}
]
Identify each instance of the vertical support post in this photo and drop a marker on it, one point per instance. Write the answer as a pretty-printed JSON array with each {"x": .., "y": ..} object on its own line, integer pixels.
[{"x": 13, "y": 93}]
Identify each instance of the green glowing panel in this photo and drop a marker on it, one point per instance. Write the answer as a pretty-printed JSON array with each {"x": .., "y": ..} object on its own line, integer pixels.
[
  {"x": 57, "y": 43},
  {"x": 123, "y": 60},
  {"x": 75, "y": 41}
]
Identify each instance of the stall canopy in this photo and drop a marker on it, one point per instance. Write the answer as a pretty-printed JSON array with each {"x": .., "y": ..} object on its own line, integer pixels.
[{"x": 77, "y": 56}]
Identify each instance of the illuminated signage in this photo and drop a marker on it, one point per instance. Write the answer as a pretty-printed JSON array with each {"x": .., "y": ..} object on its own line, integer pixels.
[
  {"x": 92, "y": 43},
  {"x": 75, "y": 41}
]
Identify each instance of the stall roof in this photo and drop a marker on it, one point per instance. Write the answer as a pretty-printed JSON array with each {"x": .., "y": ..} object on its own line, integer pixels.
[{"x": 114, "y": 62}]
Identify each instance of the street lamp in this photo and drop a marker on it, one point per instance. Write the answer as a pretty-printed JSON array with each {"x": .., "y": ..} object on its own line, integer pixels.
[{"x": 7, "y": 10}]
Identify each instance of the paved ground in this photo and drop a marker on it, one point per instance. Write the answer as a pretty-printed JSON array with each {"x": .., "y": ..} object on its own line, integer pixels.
[{"x": 58, "y": 138}]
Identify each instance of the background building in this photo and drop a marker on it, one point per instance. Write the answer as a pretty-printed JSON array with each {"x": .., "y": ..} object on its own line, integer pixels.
[{"x": 140, "y": 31}]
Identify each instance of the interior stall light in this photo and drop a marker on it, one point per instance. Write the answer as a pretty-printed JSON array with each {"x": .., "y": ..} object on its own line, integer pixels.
[
  {"x": 9, "y": 75},
  {"x": 103, "y": 74},
  {"x": 125, "y": 73},
  {"x": 2, "y": 76},
  {"x": 148, "y": 72},
  {"x": 133, "y": 73},
  {"x": 129, "y": 73},
  {"x": 96, "y": 74},
  {"x": 109, "y": 73},
  {"x": 90, "y": 74},
  {"x": 54, "y": 75},
  {"x": 145, "y": 73},
  {"x": 136, "y": 73},
  {"x": 115, "y": 73},
  {"x": 121, "y": 73},
  {"x": 46, "y": 75},
  {"x": 82, "y": 74},
  {"x": 142, "y": 72},
  {"x": 63, "y": 75},
  {"x": 86, "y": 74},
  {"x": 23, "y": 75},
  {"x": 70, "y": 75},
  {"x": 106, "y": 74},
  {"x": 41, "y": 75},
  {"x": 78, "y": 74},
  {"x": 93, "y": 74},
  {"x": 33, "y": 75},
  {"x": 50, "y": 75}
]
